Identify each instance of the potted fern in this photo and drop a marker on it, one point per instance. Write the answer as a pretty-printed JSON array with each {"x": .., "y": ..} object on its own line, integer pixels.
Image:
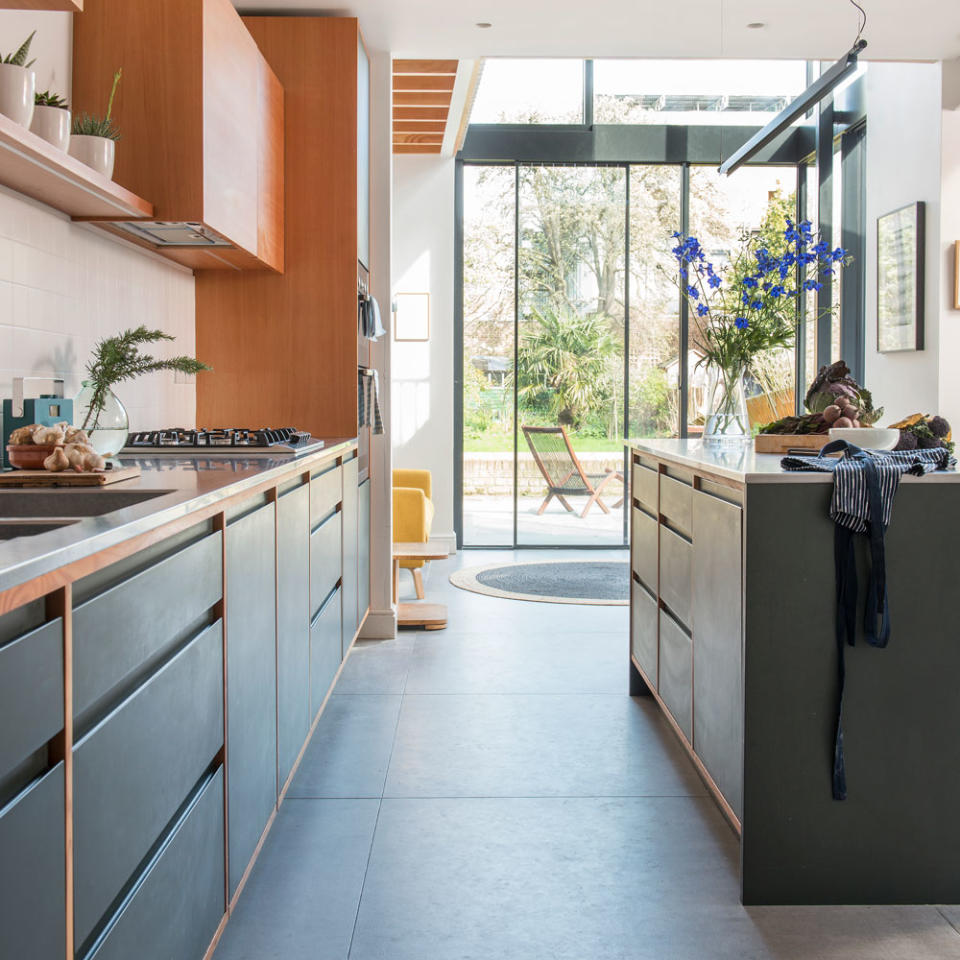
[
  {"x": 93, "y": 139},
  {"x": 51, "y": 119},
  {"x": 97, "y": 409},
  {"x": 18, "y": 83}
]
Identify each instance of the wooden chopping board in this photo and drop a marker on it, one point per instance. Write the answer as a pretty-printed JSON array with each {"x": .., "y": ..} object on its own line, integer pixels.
[
  {"x": 66, "y": 478},
  {"x": 784, "y": 443}
]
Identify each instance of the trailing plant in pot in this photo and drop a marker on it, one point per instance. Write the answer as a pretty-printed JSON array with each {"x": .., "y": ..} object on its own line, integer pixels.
[
  {"x": 18, "y": 83},
  {"x": 51, "y": 119},
  {"x": 97, "y": 408},
  {"x": 93, "y": 139}
]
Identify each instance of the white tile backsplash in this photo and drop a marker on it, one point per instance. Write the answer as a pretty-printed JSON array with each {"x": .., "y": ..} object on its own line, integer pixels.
[{"x": 63, "y": 286}]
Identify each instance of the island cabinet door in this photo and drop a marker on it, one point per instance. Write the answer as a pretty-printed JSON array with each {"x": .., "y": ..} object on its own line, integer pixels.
[
  {"x": 251, "y": 683},
  {"x": 293, "y": 627},
  {"x": 644, "y": 640},
  {"x": 717, "y": 643},
  {"x": 351, "y": 583},
  {"x": 676, "y": 668}
]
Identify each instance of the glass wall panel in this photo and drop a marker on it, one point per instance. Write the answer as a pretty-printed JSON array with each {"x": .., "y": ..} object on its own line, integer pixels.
[
  {"x": 756, "y": 199},
  {"x": 735, "y": 92},
  {"x": 810, "y": 323},
  {"x": 570, "y": 350},
  {"x": 654, "y": 302},
  {"x": 488, "y": 336},
  {"x": 529, "y": 91}
]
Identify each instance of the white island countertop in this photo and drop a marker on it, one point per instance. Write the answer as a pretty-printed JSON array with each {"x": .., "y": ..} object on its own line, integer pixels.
[{"x": 744, "y": 464}]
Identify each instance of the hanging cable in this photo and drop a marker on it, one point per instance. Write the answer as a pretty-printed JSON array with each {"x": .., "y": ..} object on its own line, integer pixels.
[{"x": 863, "y": 22}]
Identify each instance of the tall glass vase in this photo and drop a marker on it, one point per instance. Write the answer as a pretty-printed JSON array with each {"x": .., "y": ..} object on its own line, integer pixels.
[
  {"x": 727, "y": 422},
  {"x": 106, "y": 422}
]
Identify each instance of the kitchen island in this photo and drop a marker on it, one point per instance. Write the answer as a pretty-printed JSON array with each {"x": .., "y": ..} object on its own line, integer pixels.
[
  {"x": 733, "y": 600},
  {"x": 165, "y": 650}
]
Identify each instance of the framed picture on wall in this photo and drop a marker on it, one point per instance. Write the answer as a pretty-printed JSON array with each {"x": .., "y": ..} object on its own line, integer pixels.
[
  {"x": 412, "y": 318},
  {"x": 900, "y": 279}
]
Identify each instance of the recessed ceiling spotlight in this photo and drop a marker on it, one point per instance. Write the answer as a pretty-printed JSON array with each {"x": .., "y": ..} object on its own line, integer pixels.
[
  {"x": 756, "y": 25},
  {"x": 483, "y": 25}
]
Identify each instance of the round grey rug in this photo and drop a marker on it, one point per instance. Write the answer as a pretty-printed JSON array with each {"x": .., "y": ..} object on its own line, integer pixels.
[{"x": 601, "y": 582}]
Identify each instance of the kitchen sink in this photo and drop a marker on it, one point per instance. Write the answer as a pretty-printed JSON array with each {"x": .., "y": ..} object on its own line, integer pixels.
[
  {"x": 10, "y": 529},
  {"x": 65, "y": 503}
]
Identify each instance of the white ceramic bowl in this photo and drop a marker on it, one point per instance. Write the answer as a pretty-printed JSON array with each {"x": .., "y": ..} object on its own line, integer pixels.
[{"x": 868, "y": 438}]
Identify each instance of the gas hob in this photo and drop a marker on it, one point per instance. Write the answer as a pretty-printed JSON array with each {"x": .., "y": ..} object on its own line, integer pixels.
[{"x": 226, "y": 441}]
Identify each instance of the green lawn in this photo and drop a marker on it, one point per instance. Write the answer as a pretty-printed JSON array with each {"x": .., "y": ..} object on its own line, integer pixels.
[{"x": 505, "y": 445}]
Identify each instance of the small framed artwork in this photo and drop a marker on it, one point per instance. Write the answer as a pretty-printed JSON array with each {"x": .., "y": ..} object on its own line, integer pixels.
[
  {"x": 411, "y": 316},
  {"x": 900, "y": 279}
]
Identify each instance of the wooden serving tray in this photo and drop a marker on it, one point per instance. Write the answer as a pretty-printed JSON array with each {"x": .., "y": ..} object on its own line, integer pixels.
[
  {"x": 784, "y": 443},
  {"x": 66, "y": 478}
]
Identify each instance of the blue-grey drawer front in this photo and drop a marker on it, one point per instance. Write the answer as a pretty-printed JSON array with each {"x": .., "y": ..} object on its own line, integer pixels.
[
  {"x": 325, "y": 559},
  {"x": 32, "y": 881},
  {"x": 324, "y": 651},
  {"x": 31, "y": 693},
  {"x": 176, "y": 910},
  {"x": 133, "y": 771},
  {"x": 121, "y": 629},
  {"x": 326, "y": 491}
]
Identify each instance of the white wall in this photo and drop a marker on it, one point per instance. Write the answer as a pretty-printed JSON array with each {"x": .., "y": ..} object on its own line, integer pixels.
[
  {"x": 64, "y": 285},
  {"x": 422, "y": 379},
  {"x": 903, "y": 165},
  {"x": 949, "y": 373}
]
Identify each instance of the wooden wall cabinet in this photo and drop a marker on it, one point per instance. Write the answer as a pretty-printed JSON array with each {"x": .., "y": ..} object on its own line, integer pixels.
[
  {"x": 202, "y": 118},
  {"x": 285, "y": 347}
]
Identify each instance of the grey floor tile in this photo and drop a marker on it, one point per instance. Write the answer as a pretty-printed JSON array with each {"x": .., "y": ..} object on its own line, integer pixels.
[
  {"x": 350, "y": 749},
  {"x": 628, "y": 879},
  {"x": 536, "y": 745},
  {"x": 952, "y": 914},
  {"x": 564, "y": 879},
  {"x": 514, "y": 662},
  {"x": 301, "y": 899},
  {"x": 377, "y": 666}
]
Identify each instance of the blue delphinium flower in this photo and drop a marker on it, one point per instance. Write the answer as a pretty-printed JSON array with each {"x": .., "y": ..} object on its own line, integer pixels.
[
  {"x": 742, "y": 323},
  {"x": 757, "y": 304},
  {"x": 693, "y": 292},
  {"x": 702, "y": 309}
]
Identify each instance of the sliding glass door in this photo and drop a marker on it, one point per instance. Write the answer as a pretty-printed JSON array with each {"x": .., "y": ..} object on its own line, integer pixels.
[{"x": 574, "y": 335}]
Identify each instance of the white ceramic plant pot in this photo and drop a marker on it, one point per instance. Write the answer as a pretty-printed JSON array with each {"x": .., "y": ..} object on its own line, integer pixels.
[
  {"x": 53, "y": 125},
  {"x": 95, "y": 152},
  {"x": 17, "y": 87}
]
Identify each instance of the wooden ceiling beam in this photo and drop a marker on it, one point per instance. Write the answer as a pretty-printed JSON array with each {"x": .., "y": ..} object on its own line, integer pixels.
[
  {"x": 424, "y": 83},
  {"x": 419, "y": 126},
  {"x": 420, "y": 113},
  {"x": 417, "y": 138},
  {"x": 416, "y": 148},
  {"x": 425, "y": 66},
  {"x": 438, "y": 98}
]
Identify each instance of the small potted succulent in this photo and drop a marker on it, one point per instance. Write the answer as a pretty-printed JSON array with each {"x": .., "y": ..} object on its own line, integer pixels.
[
  {"x": 93, "y": 139},
  {"x": 18, "y": 83},
  {"x": 51, "y": 119}
]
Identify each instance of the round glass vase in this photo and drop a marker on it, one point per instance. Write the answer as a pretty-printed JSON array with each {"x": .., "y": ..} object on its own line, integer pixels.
[
  {"x": 108, "y": 426},
  {"x": 727, "y": 422}
]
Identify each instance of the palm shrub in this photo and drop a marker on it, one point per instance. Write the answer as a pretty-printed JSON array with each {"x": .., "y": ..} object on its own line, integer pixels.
[
  {"x": 89, "y": 126},
  {"x": 19, "y": 58},
  {"x": 563, "y": 362}
]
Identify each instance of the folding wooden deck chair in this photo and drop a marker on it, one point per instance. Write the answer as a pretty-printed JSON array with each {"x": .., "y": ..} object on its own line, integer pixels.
[{"x": 563, "y": 472}]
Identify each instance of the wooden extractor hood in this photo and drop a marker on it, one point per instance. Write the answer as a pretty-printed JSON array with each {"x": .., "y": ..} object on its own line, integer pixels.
[{"x": 201, "y": 118}]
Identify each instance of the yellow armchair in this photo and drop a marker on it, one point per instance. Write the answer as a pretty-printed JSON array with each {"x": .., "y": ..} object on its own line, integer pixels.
[{"x": 412, "y": 515}]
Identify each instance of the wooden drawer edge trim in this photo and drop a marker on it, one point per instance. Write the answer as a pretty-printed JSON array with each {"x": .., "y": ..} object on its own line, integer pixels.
[{"x": 708, "y": 781}]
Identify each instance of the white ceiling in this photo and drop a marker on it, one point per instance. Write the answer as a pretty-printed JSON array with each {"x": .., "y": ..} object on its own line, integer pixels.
[{"x": 802, "y": 29}]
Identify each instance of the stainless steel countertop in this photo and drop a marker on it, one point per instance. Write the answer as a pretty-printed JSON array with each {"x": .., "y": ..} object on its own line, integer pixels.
[
  {"x": 745, "y": 465},
  {"x": 191, "y": 482}
]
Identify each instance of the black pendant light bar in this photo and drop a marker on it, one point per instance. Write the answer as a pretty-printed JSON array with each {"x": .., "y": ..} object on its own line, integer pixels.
[{"x": 810, "y": 97}]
